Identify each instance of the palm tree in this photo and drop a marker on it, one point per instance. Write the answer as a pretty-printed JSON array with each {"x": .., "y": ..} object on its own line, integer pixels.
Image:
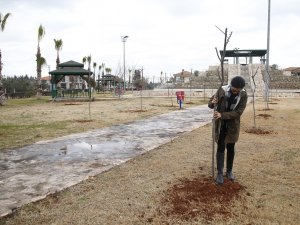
[
  {"x": 84, "y": 60},
  {"x": 42, "y": 62},
  {"x": 103, "y": 68},
  {"x": 2, "y": 26},
  {"x": 89, "y": 60},
  {"x": 58, "y": 46},
  {"x": 3, "y": 20},
  {"x": 99, "y": 69},
  {"x": 99, "y": 73},
  {"x": 94, "y": 66},
  {"x": 41, "y": 34}
]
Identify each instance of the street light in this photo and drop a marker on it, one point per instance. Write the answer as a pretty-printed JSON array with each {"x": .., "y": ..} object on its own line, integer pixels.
[{"x": 124, "y": 39}]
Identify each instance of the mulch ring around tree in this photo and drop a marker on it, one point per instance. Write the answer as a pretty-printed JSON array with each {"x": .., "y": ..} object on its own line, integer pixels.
[
  {"x": 84, "y": 121},
  {"x": 201, "y": 197},
  {"x": 133, "y": 111},
  {"x": 71, "y": 103},
  {"x": 265, "y": 109},
  {"x": 265, "y": 116},
  {"x": 257, "y": 130}
]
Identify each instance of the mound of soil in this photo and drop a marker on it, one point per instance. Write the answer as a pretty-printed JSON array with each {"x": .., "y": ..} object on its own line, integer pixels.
[{"x": 201, "y": 197}]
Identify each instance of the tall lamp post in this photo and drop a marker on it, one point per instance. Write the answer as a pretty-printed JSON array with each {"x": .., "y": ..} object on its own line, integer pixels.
[
  {"x": 124, "y": 39},
  {"x": 267, "y": 75}
]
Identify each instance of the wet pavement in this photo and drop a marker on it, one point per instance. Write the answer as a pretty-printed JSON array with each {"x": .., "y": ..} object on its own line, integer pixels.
[{"x": 31, "y": 173}]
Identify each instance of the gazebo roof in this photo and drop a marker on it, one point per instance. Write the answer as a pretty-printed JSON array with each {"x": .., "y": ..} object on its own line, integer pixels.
[
  {"x": 71, "y": 71},
  {"x": 71, "y": 68},
  {"x": 71, "y": 63},
  {"x": 244, "y": 53}
]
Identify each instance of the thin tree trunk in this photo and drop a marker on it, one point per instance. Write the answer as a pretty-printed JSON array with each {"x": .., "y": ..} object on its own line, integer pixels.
[{"x": 226, "y": 40}]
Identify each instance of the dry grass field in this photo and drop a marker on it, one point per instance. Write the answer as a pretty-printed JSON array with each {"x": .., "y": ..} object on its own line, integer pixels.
[
  {"x": 150, "y": 188},
  {"x": 26, "y": 121}
]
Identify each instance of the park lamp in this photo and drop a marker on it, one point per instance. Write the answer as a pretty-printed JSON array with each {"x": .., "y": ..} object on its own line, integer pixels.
[{"x": 124, "y": 38}]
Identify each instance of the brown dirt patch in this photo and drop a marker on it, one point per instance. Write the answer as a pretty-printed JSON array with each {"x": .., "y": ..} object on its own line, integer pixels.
[
  {"x": 256, "y": 130},
  {"x": 72, "y": 104},
  {"x": 265, "y": 116},
  {"x": 134, "y": 110},
  {"x": 265, "y": 109},
  {"x": 201, "y": 197},
  {"x": 83, "y": 121}
]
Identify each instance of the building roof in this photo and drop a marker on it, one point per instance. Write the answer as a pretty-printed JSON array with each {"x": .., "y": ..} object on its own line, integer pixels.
[
  {"x": 47, "y": 78},
  {"x": 292, "y": 69},
  {"x": 183, "y": 74},
  {"x": 244, "y": 53}
]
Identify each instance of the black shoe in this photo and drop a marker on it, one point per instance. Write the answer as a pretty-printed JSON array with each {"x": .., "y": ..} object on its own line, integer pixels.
[
  {"x": 230, "y": 176},
  {"x": 220, "y": 179}
]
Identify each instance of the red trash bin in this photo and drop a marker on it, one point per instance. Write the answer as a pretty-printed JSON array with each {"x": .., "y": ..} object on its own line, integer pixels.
[
  {"x": 178, "y": 95},
  {"x": 182, "y": 95}
]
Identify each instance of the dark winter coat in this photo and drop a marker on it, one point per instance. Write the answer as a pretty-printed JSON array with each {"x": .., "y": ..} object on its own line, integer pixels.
[{"x": 232, "y": 118}]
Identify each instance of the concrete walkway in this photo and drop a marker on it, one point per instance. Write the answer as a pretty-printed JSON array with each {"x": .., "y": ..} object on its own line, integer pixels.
[{"x": 32, "y": 172}]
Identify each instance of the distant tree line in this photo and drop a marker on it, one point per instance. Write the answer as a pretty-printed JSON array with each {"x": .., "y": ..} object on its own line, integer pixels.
[{"x": 21, "y": 86}]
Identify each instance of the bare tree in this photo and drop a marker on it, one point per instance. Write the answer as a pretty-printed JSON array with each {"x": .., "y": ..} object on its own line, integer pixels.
[
  {"x": 253, "y": 88},
  {"x": 221, "y": 59},
  {"x": 221, "y": 77}
]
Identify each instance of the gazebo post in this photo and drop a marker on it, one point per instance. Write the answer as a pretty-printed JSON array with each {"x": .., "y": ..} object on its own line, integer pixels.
[{"x": 53, "y": 87}]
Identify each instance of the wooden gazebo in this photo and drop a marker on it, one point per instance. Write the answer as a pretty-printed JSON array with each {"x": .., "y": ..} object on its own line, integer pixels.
[
  {"x": 70, "y": 68},
  {"x": 109, "y": 81}
]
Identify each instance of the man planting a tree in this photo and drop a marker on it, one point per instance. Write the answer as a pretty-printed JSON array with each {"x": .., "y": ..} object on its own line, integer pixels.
[{"x": 230, "y": 102}]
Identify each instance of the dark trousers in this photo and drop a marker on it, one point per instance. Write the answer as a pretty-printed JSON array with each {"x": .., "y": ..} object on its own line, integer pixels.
[{"x": 228, "y": 146}]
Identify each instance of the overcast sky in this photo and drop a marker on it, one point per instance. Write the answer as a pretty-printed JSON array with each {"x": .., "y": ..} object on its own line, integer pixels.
[{"x": 164, "y": 35}]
